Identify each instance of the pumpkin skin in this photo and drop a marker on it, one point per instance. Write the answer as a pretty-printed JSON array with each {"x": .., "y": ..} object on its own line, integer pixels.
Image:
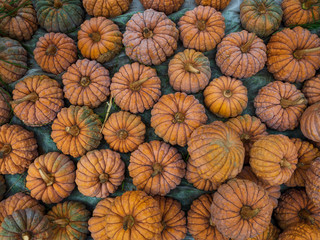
[
  {"x": 147, "y": 41},
  {"x": 201, "y": 28},
  {"x": 69, "y": 221},
  {"x": 3, "y": 187},
  {"x": 135, "y": 87},
  {"x": 241, "y": 55},
  {"x": 310, "y": 123},
  {"x": 312, "y": 182},
  {"x": 55, "y": 52},
  {"x": 156, "y": 168},
  {"x": 271, "y": 233},
  {"x": 12, "y": 52},
  {"x": 299, "y": 57},
  {"x": 5, "y": 110},
  {"x": 300, "y": 231},
  {"x": 51, "y": 177},
  {"x": 124, "y": 131},
  {"x": 280, "y": 105},
  {"x": 76, "y": 130},
  {"x": 175, "y": 116},
  {"x": 216, "y": 4},
  {"x": 226, "y": 97},
  {"x": 86, "y": 83},
  {"x": 37, "y": 100},
  {"x": 311, "y": 89},
  {"x": 18, "y": 148},
  {"x": 262, "y": 17},
  {"x": 167, "y": 7},
  {"x": 189, "y": 71},
  {"x": 246, "y": 203},
  {"x": 19, "y": 24},
  {"x": 106, "y": 8}
]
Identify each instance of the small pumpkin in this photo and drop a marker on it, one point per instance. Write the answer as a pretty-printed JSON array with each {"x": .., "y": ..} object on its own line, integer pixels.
[
  {"x": 271, "y": 233},
  {"x": 311, "y": 89},
  {"x": 217, "y": 4},
  {"x": 189, "y": 71},
  {"x": 165, "y": 6},
  {"x": 313, "y": 182},
  {"x": 106, "y": 8},
  {"x": 99, "y": 39},
  {"x": 3, "y": 187},
  {"x": 175, "y": 117},
  {"x": 5, "y": 109},
  {"x": 147, "y": 41},
  {"x": 310, "y": 123},
  {"x": 55, "y": 52},
  {"x": 76, "y": 130},
  {"x": 156, "y": 168},
  {"x": 86, "y": 83},
  {"x": 124, "y": 131},
  {"x": 135, "y": 87},
  {"x": 226, "y": 97},
  {"x": 201, "y": 28},
  {"x": 300, "y": 231}
]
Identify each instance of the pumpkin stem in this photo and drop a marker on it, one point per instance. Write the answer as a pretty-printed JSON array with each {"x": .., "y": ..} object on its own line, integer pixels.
[
  {"x": 285, "y": 103},
  {"x": 5, "y": 150},
  {"x": 190, "y": 68},
  {"x": 299, "y": 54},
  {"x": 262, "y": 8},
  {"x": 85, "y": 81},
  {"x": 30, "y": 97},
  {"x": 51, "y": 50},
  {"x": 201, "y": 25},
  {"x": 178, "y": 118},
  {"x": 227, "y": 93},
  {"x": 247, "y": 212},
  {"x": 246, "y": 47},
  {"x": 305, "y": 215},
  {"x": 308, "y": 4},
  {"x": 73, "y": 130},
  {"x": 26, "y": 236},
  {"x": 95, "y": 36},
  {"x": 128, "y": 222},
  {"x": 122, "y": 134},
  {"x": 285, "y": 163},
  {"x": 135, "y": 86},
  {"x": 157, "y": 169},
  {"x": 57, "y": 4},
  {"x": 107, "y": 114},
  {"x": 63, "y": 222},
  {"x": 49, "y": 180},
  {"x": 211, "y": 222},
  {"x": 104, "y": 177},
  {"x": 147, "y": 33}
]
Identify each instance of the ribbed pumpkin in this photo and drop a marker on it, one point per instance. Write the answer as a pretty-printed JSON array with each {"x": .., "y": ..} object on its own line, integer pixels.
[
  {"x": 226, "y": 97},
  {"x": 175, "y": 117},
  {"x": 241, "y": 209},
  {"x": 135, "y": 87},
  {"x": 147, "y": 41},
  {"x": 293, "y": 54},
  {"x": 51, "y": 177},
  {"x": 280, "y": 105},
  {"x": 273, "y": 158},
  {"x": 262, "y": 17},
  {"x": 3, "y": 187},
  {"x": 311, "y": 90},
  {"x": 18, "y": 19},
  {"x": 124, "y": 131},
  {"x": 217, "y": 4},
  {"x": 5, "y": 110},
  {"x": 189, "y": 71},
  {"x": 271, "y": 233},
  {"x": 18, "y": 148},
  {"x": 76, "y": 130},
  {"x": 59, "y": 15},
  {"x": 37, "y": 100},
  {"x": 201, "y": 28},
  {"x": 69, "y": 221},
  {"x": 106, "y": 8},
  {"x": 99, "y": 39},
  {"x": 14, "y": 56},
  {"x": 313, "y": 182},
  {"x": 55, "y": 52},
  {"x": 156, "y": 167},
  {"x": 300, "y": 231},
  {"x": 86, "y": 83},
  {"x": 166, "y": 6},
  {"x": 241, "y": 54},
  {"x": 310, "y": 122}
]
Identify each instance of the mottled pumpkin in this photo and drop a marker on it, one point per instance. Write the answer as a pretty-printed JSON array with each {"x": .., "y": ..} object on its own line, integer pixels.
[
  {"x": 271, "y": 233},
  {"x": 135, "y": 87},
  {"x": 300, "y": 231},
  {"x": 175, "y": 117},
  {"x": 217, "y": 4},
  {"x": 106, "y": 8},
  {"x": 166, "y": 6},
  {"x": 189, "y": 71},
  {"x": 156, "y": 167},
  {"x": 150, "y": 37},
  {"x": 201, "y": 28},
  {"x": 310, "y": 123},
  {"x": 3, "y": 187},
  {"x": 311, "y": 90},
  {"x": 55, "y": 52},
  {"x": 226, "y": 97},
  {"x": 280, "y": 105},
  {"x": 313, "y": 182},
  {"x": 124, "y": 131},
  {"x": 5, "y": 109},
  {"x": 86, "y": 83},
  {"x": 76, "y": 130},
  {"x": 293, "y": 54}
]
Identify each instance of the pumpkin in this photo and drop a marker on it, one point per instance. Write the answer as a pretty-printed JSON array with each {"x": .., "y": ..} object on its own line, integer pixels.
[
  {"x": 311, "y": 90},
  {"x": 273, "y": 158},
  {"x": 165, "y": 6},
  {"x": 18, "y": 19},
  {"x": 226, "y": 97},
  {"x": 313, "y": 183},
  {"x": 18, "y": 148},
  {"x": 175, "y": 117},
  {"x": 5, "y": 109},
  {"x": 300, "y": 231},
  {"x": 37, "y": 100},
  {"x": 280, "y": 105},
  {"x": 310, "y": 123},
  {"x": 134, "y": 215},
  {"x": 99, "y": 39},
  {"x": 86, "y": 83},
  {"x": 156, "y": 168},
  {"x": 106, "y": 8},
  {"x": 293, "y": 54},
  {"x": 217, "y": 4},
  {"x": 201, "y": 28},
  {"x": 2, "y": 187},
  {"x": 150, "y": 37},
  {"x": 55, "y": 52},
  {"x": 124, "y": 131},
  {"x": 14, "y": 60},
  {"x": 271, "y": 233},
  {"x": 241, "y": 54},
  {"x": 51, "y": 177},
  {"x": 241, "y": 209},
  {"x": 189, "y": 71},
  {"x": 262, "y": 17},
  {"x": 135, "y": 87},
  {"x": 76, "y": 130},
  {"x": 298, "y": 12},
  {"x": 69, "y": 221}
]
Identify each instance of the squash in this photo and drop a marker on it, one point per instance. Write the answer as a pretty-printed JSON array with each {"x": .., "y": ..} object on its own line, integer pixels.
[
  {"x": 311, "y": 89},
  {"x": 300, "y": 231},
  {"x": 106, "y": 8},
  {"x": 271, "y": 233},
  {"x": 165, "y": 6},
  {"x": 313, "y": 183},
  {"x": 5, "y": 109},
  {"x": 310, "y": 123},
  {"x": 217, "y": 4}
]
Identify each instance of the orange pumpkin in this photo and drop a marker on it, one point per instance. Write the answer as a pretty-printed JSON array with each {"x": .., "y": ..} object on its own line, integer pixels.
[
  {"x": 300, "y": 231},
  {"x": 165, "y": 6},
  {"x": 271, "y": 233},
  {"x": 311, "y": 89},
  {"x": 313, "y": 182},
  {"x": 106, "y": 8},
  {"x": 5, "y": 110},
  {"x": 217, "y": 4},
  {"x": 310, "y": 123}
]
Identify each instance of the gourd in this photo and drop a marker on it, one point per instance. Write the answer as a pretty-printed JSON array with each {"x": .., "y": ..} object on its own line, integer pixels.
[
  {"x": 312, "y": 182},
  {"x": 106, "y": 8},
  {"x": 311, "y": 89},
  {"x": 217, "y": 4},
  {"x": 310, "y": 122},
  {"x": 165, "y": 6},
  {"x": 300, "y": 231}
]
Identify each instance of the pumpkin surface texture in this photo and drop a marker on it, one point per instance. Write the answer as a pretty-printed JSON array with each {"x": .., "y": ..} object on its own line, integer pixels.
[
  {"x": 313, "y": 183},
  {"x": 217, "y": 4},
  {"x": 5, "y": 110},
  {"x": 311, "y": 90},
  {"x": 106, "y": 8},
  {"x": 271, "y": 233},
  {"x": 300, "y": 231},
  {"x": 165, "y": 6},
  {"x": 310, "y": 122}
]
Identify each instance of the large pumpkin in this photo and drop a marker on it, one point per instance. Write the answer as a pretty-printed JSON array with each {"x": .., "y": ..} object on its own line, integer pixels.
[
  {"x": 310, "y": 122},
  {"x": 5, "y": 109},
  {"x": 271, "y": 233},
  {"x": 311, "y": 89},
  {"x": 217, "y": 4},
  {"x": 166, "y": 6},
  {"x": 313, "y": 182},
  {"x": 300, "y": 231},
  {"x": 106, "y": 8}
]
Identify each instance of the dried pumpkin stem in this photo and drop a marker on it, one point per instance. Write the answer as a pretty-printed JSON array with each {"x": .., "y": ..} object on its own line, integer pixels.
[
  {"x": 246, "y": 47},
  {"x": 247, "y": 212},
  {"x": 227, "y": 93},
  {"x": 63, "y": 222},
  {"x": 85, "y": 81},
  {"x": 190, "y": 68},
  {"x": 285, "y": 163},
  {"x": 122, "y": 134},
  {"x": 57, "y": 4},
  {"x": 211, "y": 222},
  {"x": 104, "y": 177},
  {"x": 95, "y": 36},
  {"x": 306, "y": 215},
  {"x": 26, "y": 236},
  {"x": 300, "y": 53},
  {"x": 107, "y": 114},
  {"x": 49, "y": 180},
  {"x": 308, "y": 4},
  {"x": 201, "y": 25},
  {"x": 73, "y": 130},
  {"x": 157, "y": 169},
  {"x": 128, "y": 222},
  {"x": 51, "y": 50},
  {"x": 147, "y": 33},
  {"x": 262, "y": 8},
  {"x": 135, "y": 86},
  {"x": 30, "y": 97},
  {"x": 285, "y": 103},
  {"x": 178, "y": 118},
  {"x": 6, "y": 149},
  {"x": 245, "y": 137}
]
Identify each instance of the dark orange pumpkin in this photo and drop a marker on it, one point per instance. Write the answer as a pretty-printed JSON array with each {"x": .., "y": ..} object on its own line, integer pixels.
[
  {"x": 166, "y": 6},
  {"x": 313, "y": 182},
  {"x": 106, "y": 8},
  {"x": 271, "y": 233},
  {"x": 311, "y": 90},
  {"x": 300, "y": 231},
  {"x": 310, "y": 123},
  {"x": 5, "y": 110},
  {"x": 217, "y": 4}
]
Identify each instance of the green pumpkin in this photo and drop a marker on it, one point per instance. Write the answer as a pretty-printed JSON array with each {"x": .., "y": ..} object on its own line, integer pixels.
[
  {"x": 59, "y": 15},
  {"x": 2, "y": 187}
]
